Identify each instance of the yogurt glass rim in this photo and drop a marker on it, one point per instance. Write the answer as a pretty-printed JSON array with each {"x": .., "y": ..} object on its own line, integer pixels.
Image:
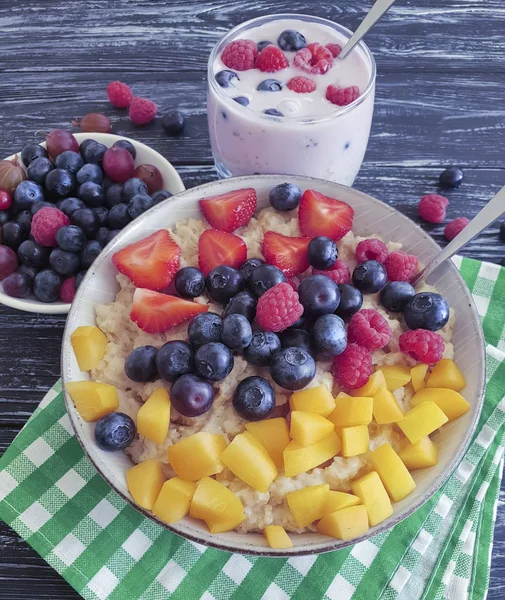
[{"x": 306, "y": 120}]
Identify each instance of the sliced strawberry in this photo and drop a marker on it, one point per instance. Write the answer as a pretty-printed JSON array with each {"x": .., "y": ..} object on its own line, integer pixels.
[
  {"x": 321, "y": 215},
  {"x": 230, "y": 211},
  {"x": 150, "y": 263},
  {"x": 154, "y": 312},
  {"x": 289, "y": 254},
  {"x": 220, "y": 248}
]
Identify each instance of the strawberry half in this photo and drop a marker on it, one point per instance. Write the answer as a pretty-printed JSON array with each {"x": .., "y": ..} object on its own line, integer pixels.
[
  {"x": 150, "y": 263},
  {"x": 230, "y": 211},
  {"x": 320, "y": 215},
  {"x": 154, "y": 312},
  {"x": 217, "y": 248},
  {"x": 289, "y": 254}
]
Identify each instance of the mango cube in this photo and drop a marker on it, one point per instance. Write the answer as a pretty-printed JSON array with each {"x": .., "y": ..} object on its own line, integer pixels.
[
  {"x": 89, "y": 344},
  {"x": 316, "y": 400},
  {"x": 422, "y": 420},
  {"x": 420, "y": 455},
  {"x": 355, "y": 440},
  {"x": 418, "y": 375},
  {"x": 345, "y": 524},
  {"x": 197, "y": 456},
  {"x": 451, "y": 402},
  {"x": 273, "y": 434},
  {"x": 342, "y": 395},
  {"x": 174, "y": 499},
  {"x": 307, "y": 504},
  {"x": 228, "y": 525},
  {"x": 374, "y": 383},
  {"x": 351, "y": 411},
  {"x": 145, "y": 481},
  {"x": 374, "y": 496},
  {"x": 153, "y": 417},
  {"x": 396, "y": 376},
  {"x": 277, "y": 537},
  {"x": 93, "y": 400},
  {"x": 385, "y": 407},
  {"x": 339, "y": 500},
  {"x": 308, "y": 428},
  {"x": 445, "y": 374},
  {"x": 248, "y": 459},
  {"x": 217, "y": 505},
  {"x": 300, "y": 459},
  {"x": 393, "y": 473}
]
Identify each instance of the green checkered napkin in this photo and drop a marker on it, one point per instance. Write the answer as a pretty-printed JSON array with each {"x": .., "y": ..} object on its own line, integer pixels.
[{"x": 52, "y": 496}]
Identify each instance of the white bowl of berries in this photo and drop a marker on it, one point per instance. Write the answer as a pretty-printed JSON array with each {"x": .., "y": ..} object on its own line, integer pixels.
[
  {"x": 61, "y": 202},
  {"x": 249, "y": 367}
]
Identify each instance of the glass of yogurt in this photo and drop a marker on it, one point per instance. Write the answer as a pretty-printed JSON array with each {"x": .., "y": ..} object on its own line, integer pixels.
[{"x": 279, "y": 101}]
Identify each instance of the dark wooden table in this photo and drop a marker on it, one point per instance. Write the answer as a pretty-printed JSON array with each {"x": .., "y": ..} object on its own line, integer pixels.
[{"x": 440, "y": 101}]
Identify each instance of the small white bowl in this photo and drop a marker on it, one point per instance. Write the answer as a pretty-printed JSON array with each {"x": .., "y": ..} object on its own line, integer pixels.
[
  {"x": 145, "y": 155},
  {"x": 371, "y": 217}
]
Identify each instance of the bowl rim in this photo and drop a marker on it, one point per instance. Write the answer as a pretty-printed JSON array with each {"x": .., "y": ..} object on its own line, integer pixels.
[
  {"x": 331, "y": 545},
  {"x": 61, "y": 308}
]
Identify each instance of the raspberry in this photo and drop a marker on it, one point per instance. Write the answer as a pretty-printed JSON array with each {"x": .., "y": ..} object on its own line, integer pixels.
[
  {"x": 142, "y": 111},
  {"x": 119, "y": 94},
  {"x": 45, "y": 223},
  {"x": 278, "y": 308},
  {"x": 292, "y": 283},
  {"x": 335, "y": 49},
  {"x": 371, "y": 249},
  {"x": 342, "y": 96},
  {"x": 369, "y": 329},
  {"x": 301, "y": 85},
  {"x": 423, "y": 345},
  {"x": 271, "y": 59},
  {"x": 67, "y": 290},
  {"x": 340, "y": 272},
  {"x": 314, "y": 59},
  {"x": 401, "y": 266},
  {"x": 353, "y": 367},
  {"x": 240, "y": 55},
  {"x": 454, "y": 227},
  {"x": 432, "y": 208}
]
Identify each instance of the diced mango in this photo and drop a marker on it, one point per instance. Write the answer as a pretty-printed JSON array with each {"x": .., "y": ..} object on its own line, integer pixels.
[
  {"x": 342, "y": 395},
  {"x": 316, "y": 400},
  {"x": 385, "y": 407},
  {"x": 355, "y": 440},
  {"x": 228, "y": 525},
  {"x": 374, "y": 496},
  {"x": 145, "y": 481},
  {"x": 273, "y": 434},
  {"x": 374, "y": 383},
  {"x": 308, "y": 428},
  {"x": 277, "y": 537},
  {"x": 451, "y": 402},
  {"x": 418, "y": 375},
  {"x": 420, "y": 455},
  {"x": 422, "y": 420},
  {"x": 345, "y": 524},
  {"x": 153, "y": 417},
  {"x": 352, "y": 411},
  {"x": 445, "y": 374},
  {"x": 248, "y": 459},
  {"x": 307, "y": 504},
  {"x": 300, "y": 459},
  {"x": 93, "y": 400},
  {"x": 339, "y": 500},
  {"x": 393, "y": 473},
  {"x": 217, "y": 505},
  {"x": 396, "y": 376},
  {"x": 197, "y": 456},
  {"x": 89, "y": 344},
  {"x": 174, "y": 499}
]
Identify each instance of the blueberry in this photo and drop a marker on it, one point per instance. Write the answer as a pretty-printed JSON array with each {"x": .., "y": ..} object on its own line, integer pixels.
[
  {"x": 237, "y": 332},
  {"x": 292, "y": 368},
  {"x": 248, "y": 267},
  {"x": 106, "y": 183},
  {"x": 291, "y": 40},
  {"x": 265, "y": 277},
  {"x": 101, "y": 214},
  {"x": 244, "y": 303},
  {"x": 88, "y": 254},
  {"x": 263, "y": 44},
  {"x": 140, "y": 364},
  {"x": 118, "y": 217},
  {"x": 426, "y": 310},
  {"x": 92, "y": 194},
  {"x": 71, "y": 238},
  {"x": 351, "y": 300},
  {"x": 114, "y": 195},
  {"x": 160, "y": 196},
  {"x": 64, "y": 263},
  {"x": 103, "y": 236},
  {"x": 270, "y": 85},
  {"x": 33, "y": 255},
  {"x": 70, "y": 205},
  {"x": 128, "y": 145},
  {"x": 70, "y": 161},
  {"x": 242, "y": 100},
  {"x": 285, "y": 196},
  {"x": 31, "y": 152},
  {"x": 174, "y": 359},
  {"x": 5, "y": 217},
  {"x": 369, "y": 277},
  {"x": 84, "y": 144},
  {"x": 46, "y": 286},
  {"x": 319, "y": 295},
  {"x": 93, "y": 152},
  {"x": 223, "y": 282},
  {"x": 452, "y": 177},
  {"x": 27, "y": 193},
  {"x": 191, "y": 396},
  {"x": 322, "y": 252},
  {"x": 273, "y": 112},
  {"x": 13, "y": 234},
  {"x": 189, "y": 282},
  {"x": 34, "y": 209},
  {"x": 264, "y": 344},
  {"x": 254, "y": 398},
  {"x": 205, "y": 328},
  {"x": 115, "y": 431},
  {"x": 395, "y": 295},
  {"x": 173, "y": 122},
  {"x": 225, "y": 78},
  {"x": 25, "y": 218},
  {"x": 330, "y": 336},
  {"x": 138, "y": 205},
  {"x": 113, "y": 233},
  {"x": 502, "y": 231},
  {"x": 89, "y": 172},
  {"x": 39, "y": 168},
  {"x": 60, "y": 183},
  {"x": 213, "y": 361},
  {"x": 297, "y": 338},
  {"x": 132, "y": 187},
  {"x": 86, "y": 219},
  {"x": 17, "y": 285},
  {"x": 29, "y": 272},
  {"x": 78, "y": 278}
]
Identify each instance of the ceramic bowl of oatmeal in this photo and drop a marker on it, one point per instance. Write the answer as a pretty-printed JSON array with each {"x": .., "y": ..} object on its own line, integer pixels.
[{"x": 283, "y": 410}]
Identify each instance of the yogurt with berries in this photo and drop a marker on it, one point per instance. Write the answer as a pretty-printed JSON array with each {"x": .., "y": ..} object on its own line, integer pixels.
[{"x": 280, "y": 101}]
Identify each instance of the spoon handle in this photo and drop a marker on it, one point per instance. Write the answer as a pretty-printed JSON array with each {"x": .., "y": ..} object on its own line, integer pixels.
[
  {"x": 492, "y": 211},
  {"x": 376, "y": 12}
]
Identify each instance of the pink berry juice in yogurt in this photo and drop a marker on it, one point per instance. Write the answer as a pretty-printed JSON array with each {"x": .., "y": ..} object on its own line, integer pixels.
[{"x": 279, "y": 100}]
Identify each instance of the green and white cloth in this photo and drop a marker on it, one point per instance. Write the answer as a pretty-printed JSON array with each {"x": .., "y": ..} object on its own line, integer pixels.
[{"x": 52, "y": 496}]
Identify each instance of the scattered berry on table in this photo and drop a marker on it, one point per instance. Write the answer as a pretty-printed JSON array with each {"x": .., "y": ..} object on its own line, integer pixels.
[
  {"x": 118, "y": 164},
  {"x": 139, "y": 204},
  {"x": 369, "y": 277},
  {"x": 263, "y": 346},
  {"x": 301, "y": 85},
  {"x": 120, "y": 94},
  {"x": 189, "y": 282},
  {"x": 292, "y": 368},
  {"x": 265, "y": 277},
  {"x": 93, "y": 121},
  {"x": 432, "y": 208},
  {"x": 86, "y": 219},
  {"x": 322, "y": 252},
  {"x": 298, "y": 338},
  {"x": 423, "y": 345},
  {"x": 244, "y": 303},
  {"x": 115, "y": 431},
  {"x": 395, "y": 295},
  {"x": 330, "y": 336},
  {"x": 46, "y": 286},
  {"x": 351, "y": 300},
  {"x": 119, "y": 217},
  {"x": 191, "y": 396},
  {"x": 160, "y": 196},
  {"x": 70, "y": 161},
  {"x": 254, "y": 398},
  {"x": 142, "y": 110},
  {"x": 236, "y": 332},
  {"x": 342, "y": 96},
  {"x": 339, "y": 272},
  {"x": 229, "y": 211},
  {"x": 270, "y": 85},
  {"x": 217, "y": 248},
  {"x": 17, "y": 285},
  {"x": 70, "y": 205},
  {"x": 371, "y": 249},
  {"x": 314, "y": 59},
  {"x": 452, "y": 177},
  {"x": 89, "y": 253},
  {"x": 65, "y": 263},
  {"x": 335, "y": 49},
  {"x": 368, "y": 328},
  {"x": 205, "y": 328},
  {"x": 8, "y": 261},
  {"x": 60, "y": 183},
  {"x": 114, "y": 195},
  {"x": 213, "y": 361},
  {"x": 243, "y": 100},
  {"x": 13, "y": 234},
  {"x": 45, "y": 224},
  {"x": 173, "y": 122},
  {"x": 271, "y": 59},
  {"x": 140, "y": 364},
  {"x": 225, "y": 78},
  {"x": 38, "y": 169},
  {"x": 59, "y": 140},
  {"x": 278, "y": 308},
  {"x": 248, "y": 267},
  {"x": 426, "y": 310},
  {"x": 26, "y": 194},
  {"x": 285, "y": 196},
  {"x": 89, "y": 172},
  {"x": 223, "y": 283},
  {"x": 93, "y": 152},
  {"x": 175, "y": 358},
  {"x": 291, "y": 40},
  {"x": 102, "y": 215},
  {"x": 5, "y": 200},
  {"x": 67, "y": 290},
  {"x": 128, "y": 145},
  {"x": 32, "y": 254},
  {"x": 273, "y": 112},
  {"x": 321, "y": 215},
  {"x": 32, "y": 151},
  {"x": 319, "y": 295},
  {"x": 353, "y": 367},
  {"x": 92, "y": 194},
  {"x": 240, "y": 54},
  {"x": 456, "y": 226},
  {"x": 401, "y": 266},
  {"x": 289, "y": 254}
]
